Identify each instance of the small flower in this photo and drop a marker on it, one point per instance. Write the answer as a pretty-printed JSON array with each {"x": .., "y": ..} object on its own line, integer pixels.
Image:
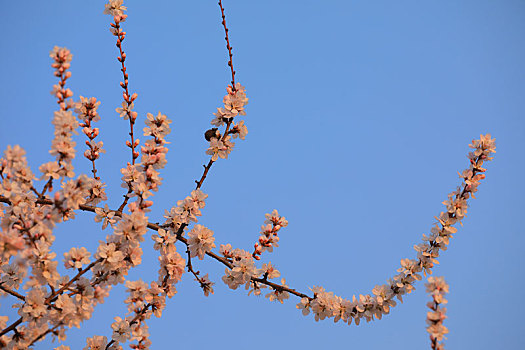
[
  {"x": 304, "y": 305},
  {"x": 217, "y": 149},
  {"x": 244, "y": 269},
  {"x": 279, "y": 294},
  {"x": 121, "y": 330},
  {"x": 270, "y": 271},
  {"x": 200, "y": 241},
  {"x": 12, "y": 276},
  {"x": 275, "y": 219},
  {"x": 114, "y": 8},
  {"x": 126, "y": 110},
  {"x": 207, "y": 285},
  {"x": 105, "y": 215},
  {"x": 61, "y": 55},
  {"x": 240, "y": 130},
  {"x": 157, "y": 126},
  {"x": 108, "y": 252},
  {"x": 163, "y": 239},
  {"x": 97, "y": 342},
  {"x": 226, "y": 250},
  {"x": 50, "y": 170},
  {"x": 76, "y": 257}
]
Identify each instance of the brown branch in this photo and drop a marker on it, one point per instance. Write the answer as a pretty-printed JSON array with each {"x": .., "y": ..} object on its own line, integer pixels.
[
  {"x": 50, "y": 330},
  {"x": 51, "y": 298},
  {"x": 126, "y": 199},
  {"x": 12, "y": 292},
  {"x": 190, "y": 268},
  {"x": 11, "y": 327},
  {"x": 47, "y": 186},
  {"x": 204, "y": 174}
]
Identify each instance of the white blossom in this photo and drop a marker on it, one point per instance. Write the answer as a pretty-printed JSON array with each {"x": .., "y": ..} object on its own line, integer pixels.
[{"x": 200, "y": 241}]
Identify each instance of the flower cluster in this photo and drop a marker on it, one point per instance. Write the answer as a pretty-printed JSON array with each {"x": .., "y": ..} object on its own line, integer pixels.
[
  {"x": 26, "y": 238},
  {"x": 76, "y": 258},
  {"x": 142, "y": 179},
  {"x": 186, "y": 210},
  {"x": 234, "y": 102},
  {"x": 200, "y": 241},
  {"x": 61, "y": 62},
  {"x": 74, "y": 192},
  {"x": 87, "y": 113},
  {"x": 242, "y": 270},
  {"x": 62, "y": 147},
  {"x": 171, "y": 267},
  {"x": 220, "y": 148},
  {"x": 121, "y": 250},
  {"x": 115, "y": 8},
  {"x": 17, "y": 177},
  {"x": 243, "y": 267},
  {"x": 269, "y": 238},
  {"x": 327, "y": 305},
  {"x": 97, "y": 342},
  {"x": 143, "y": 302},
  {"x": 437, "y": 288}
]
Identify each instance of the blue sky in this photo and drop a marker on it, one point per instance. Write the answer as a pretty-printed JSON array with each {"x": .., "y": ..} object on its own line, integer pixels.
[{"x": 360, "y": 116}]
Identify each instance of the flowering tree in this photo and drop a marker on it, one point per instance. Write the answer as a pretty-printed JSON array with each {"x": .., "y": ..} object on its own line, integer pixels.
[{"x": 50, "y": 303}]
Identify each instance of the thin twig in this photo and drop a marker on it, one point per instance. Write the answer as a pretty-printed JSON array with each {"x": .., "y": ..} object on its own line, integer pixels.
[
  {"x": 127, "y": 97},
  {"x": 228, "y": 46}
]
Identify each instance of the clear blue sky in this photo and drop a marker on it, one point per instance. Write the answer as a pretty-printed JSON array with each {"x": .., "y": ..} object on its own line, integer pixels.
[{"x": 360, "y": 116}]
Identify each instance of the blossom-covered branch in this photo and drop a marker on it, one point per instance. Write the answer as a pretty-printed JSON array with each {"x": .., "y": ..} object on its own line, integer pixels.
[
  {"x": 62, "y": 146},
  {"x": 328, "y": 305},
  {"x": 116, "y": 9},
  {"x": 87, "y": 112}
]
